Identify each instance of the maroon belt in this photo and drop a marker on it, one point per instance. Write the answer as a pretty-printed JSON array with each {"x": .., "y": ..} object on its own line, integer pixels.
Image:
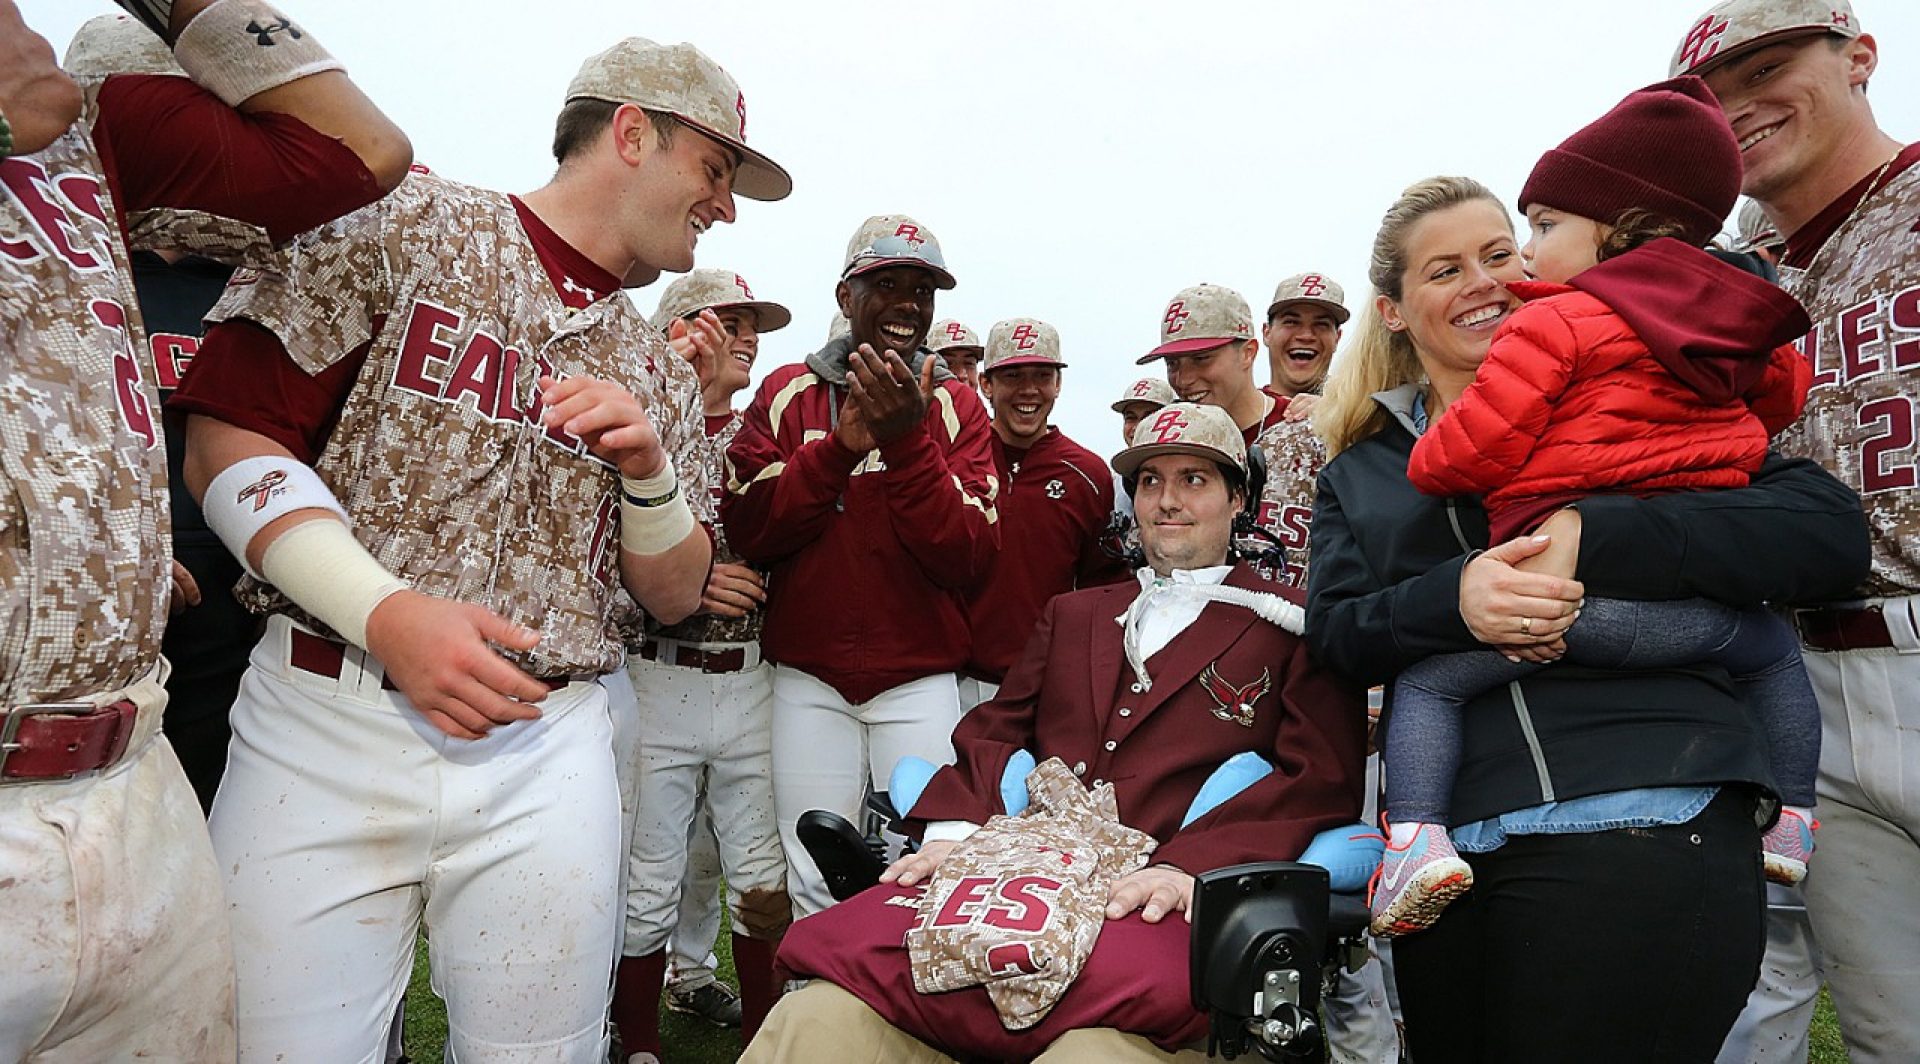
[
  {"x": 324, "y": 657},
  {"x": 60, "y": 740},
  {"x": 1841, "y": 629},
  {"x": 733, "y": 659}
]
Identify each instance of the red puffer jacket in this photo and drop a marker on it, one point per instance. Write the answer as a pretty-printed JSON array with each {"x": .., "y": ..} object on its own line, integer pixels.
[{"x": 1662, "y": 369}]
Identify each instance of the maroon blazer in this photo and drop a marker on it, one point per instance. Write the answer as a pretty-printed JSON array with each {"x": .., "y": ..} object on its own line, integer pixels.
[{"x": 1229, "y": 683}]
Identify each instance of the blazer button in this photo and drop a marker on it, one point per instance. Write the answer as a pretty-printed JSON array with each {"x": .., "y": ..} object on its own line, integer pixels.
[
  {"x": 1125, "y": 712},
  {"x": 1079, "y": 768},
  {"x": 1137, "y": 689},
  {"x": 1111, "y": 744}
]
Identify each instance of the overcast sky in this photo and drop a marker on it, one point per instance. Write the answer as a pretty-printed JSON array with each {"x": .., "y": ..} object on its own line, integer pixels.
[{"x": 1079, "y": 161}]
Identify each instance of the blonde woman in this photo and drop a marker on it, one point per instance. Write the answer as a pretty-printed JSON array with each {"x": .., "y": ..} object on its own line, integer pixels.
[{"x": 1607, "y": 817}]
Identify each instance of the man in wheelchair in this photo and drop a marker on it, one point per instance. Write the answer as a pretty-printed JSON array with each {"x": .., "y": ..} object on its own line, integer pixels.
[{"x": 1166, "y": 693}]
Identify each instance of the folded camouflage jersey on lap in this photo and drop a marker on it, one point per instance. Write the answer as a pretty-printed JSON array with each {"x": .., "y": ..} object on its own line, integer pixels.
[{"x": 1018, "y": 906}]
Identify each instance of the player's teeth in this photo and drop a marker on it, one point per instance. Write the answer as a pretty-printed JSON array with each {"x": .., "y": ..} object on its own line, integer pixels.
[{"x": 1754, "y": 138}]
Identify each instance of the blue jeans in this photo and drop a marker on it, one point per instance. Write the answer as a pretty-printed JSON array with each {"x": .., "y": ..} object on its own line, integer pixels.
[{"x": 1758, "y": 649}]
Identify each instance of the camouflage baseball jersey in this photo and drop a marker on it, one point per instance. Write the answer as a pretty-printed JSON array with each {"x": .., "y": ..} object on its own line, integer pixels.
[
  {"x": 83, "y": 502},
  {"x": 1862, "y": 289},
  {"x": 704, "y": 627},
  {"x": 1019, "y": 904},
  {"x": 438, "y": 455},
  {"x": 1294, "y": 455}
]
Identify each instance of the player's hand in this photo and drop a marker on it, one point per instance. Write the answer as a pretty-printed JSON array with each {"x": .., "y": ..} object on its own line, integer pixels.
[
  {"x": 186, "y": 591},
  {"x": 702, "y": 342},
  {"x": 852, "y": 432},
  {"x": 437, "y": 652},
  {"x": 1300, "y": 407},
  {"x": 39, "y": 99},
  {"x": 1155, "y": 890},
  {"x": 608, "y": 419},
  {"x": 913, "y": 867},
  {"x": 733, "y": 590},
  {"x": 1524, "y": 614},
  {"x": 887, "y": 393}
]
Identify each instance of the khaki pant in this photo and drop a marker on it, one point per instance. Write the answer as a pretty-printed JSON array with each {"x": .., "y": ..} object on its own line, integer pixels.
[{"x": 823, "y": 1024}]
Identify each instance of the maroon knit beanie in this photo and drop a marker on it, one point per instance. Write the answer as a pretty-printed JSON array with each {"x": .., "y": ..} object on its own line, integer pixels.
[{"x": 1666, "y": 148}]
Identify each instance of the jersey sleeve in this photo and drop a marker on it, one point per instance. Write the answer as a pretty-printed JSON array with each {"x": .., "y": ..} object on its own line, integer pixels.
[
  {"x": 941, "y": 489},
  {"x": 167, "y": 142},
  {"x": 779, "y": 499},
  {"x": 1485, "y": 437},
  {"x": 244, "y": 377}
]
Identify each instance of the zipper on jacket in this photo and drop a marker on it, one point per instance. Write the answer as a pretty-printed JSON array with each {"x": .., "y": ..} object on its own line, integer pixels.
[{"x": 1514, "y": 692}]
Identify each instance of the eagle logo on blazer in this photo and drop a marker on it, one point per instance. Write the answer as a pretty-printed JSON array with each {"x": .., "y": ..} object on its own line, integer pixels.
[{"x": 1234, "y": 703}]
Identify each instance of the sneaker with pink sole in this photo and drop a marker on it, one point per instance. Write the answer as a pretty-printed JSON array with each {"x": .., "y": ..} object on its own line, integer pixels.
[
  {"x": 1416, "y": 882},
  {"x": 1788, "y": 846}
]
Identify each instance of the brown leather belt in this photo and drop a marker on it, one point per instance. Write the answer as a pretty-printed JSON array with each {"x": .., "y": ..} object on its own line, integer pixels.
[
  {"x": 324, "y": 657},
  {"x": 61, "y": 740},
  {"x": 1843, "y": 629},
  {"x": 733, "y": 659}
]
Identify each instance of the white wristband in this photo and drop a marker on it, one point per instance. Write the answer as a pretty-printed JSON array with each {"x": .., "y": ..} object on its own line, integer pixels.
[
  {"x": 237, "y": 49},
  {"x": 254, "y": 492},
  {"x": 325, "y": 571},
  {"x": 949, "y": 831},
  {"x": 654, "y": 518}
]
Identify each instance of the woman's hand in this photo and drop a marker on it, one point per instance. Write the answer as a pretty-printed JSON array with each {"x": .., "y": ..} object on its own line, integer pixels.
[{"x": 1524, "y": 614}]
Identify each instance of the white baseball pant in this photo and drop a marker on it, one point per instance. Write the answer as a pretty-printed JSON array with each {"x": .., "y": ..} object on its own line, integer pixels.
[
  {"x": 1360, "y": 1027},
  {"x": 1863, "y": 883},
  {"x": 698, "y": 732},
  {"x": 345, "y": 817},
  {"x": 114, "y": 943},
  {"x": 973, "y": 692},
  {"x": 696, "y": 925},
  {"x": 1774, "y": 1027},
  {"x": 827, "y": 752}
]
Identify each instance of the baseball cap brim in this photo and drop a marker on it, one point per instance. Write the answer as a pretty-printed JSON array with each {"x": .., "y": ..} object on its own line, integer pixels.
[
  {"x": 1133, "y": 458},
  {"x": 1787, "y": 33},
  {"x": 756, "y": 177},
  {"x": 1019, "y": 360},
  {"x": 1121, "y": 406},
  {"x": 942, "y": 279},
  {"x": 1187, "y": 347},
  {"x": 767, "y": 317},
  {"x": 1339, "y": 312}
]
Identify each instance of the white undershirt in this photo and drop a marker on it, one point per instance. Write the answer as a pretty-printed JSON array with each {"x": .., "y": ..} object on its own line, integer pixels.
[{"x": 1165, "y": 611}]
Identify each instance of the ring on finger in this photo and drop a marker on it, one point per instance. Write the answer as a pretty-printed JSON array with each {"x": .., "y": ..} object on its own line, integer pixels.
[{"x": 1526, "y": 626}]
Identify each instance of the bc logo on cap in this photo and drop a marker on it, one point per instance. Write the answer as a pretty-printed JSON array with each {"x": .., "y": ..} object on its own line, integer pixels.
[{"x": 1177, "y": 316}]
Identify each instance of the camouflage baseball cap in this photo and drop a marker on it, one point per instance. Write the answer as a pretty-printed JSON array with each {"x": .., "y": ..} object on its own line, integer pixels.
[
  {"x": 1184, "y": 428},
  {"x": 717, "y": 290},
  {"x": 680, "y": 80},
  {"x": 839, "y": 326},
  {"x": 1756, "y": 229},
  {"x": 1315, "y": 288},
  {"x": 1145, "y": 390},
  {"x": 1199, "y": 318},
  {"x": 895, "y": 240},
  {"x": 1022, "y": 342},
  {"x": 950, "y": 333},
  {"x": 1739, "y": 26},
  {"x": 117, "y": 44}
]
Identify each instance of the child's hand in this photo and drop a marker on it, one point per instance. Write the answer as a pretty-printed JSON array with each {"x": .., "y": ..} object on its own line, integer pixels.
[{"x": 1562, "y": 555}]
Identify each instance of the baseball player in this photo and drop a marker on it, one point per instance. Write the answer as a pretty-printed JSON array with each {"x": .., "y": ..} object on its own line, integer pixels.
[
  {"x": 209, "y": 634},
  {"x": 439, "y": 438},
  {"x": 1206, "y": 339},
  {"x": 1154, "y": 705},
  {"x": 1757, "y": 235},
  {"x": 959, "y": 348},
  {"x": 1055, "y": 503},
  {"x": 704, "y": 716},
  {"x": 1303, "y": 328},
  {"x": 1140, "y": 398},
  {"x": 863, "y": 479},
  {"x": 1792, "y": 77},
  {"x": 115, "y": 943}
]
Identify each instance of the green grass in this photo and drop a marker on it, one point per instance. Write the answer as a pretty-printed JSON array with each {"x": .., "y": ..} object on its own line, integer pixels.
[{"x": 689, "y": 1041}]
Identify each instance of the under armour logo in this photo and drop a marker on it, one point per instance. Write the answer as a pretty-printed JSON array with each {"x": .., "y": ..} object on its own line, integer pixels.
[
  {"x": 1169, "y": 426},
  {"x": 1312, "y": 285},
  {"x": 956, "y": 332},
  {"x": 740, "y": 108},
  {"x": 741, "y": 283},
  {"x": 910, "y": 233},
  {"x": 1024, "y": 338},
  {"x": 1840, "y": 18},
  {"x": 1702, "y": 43},
  {"x": 263, "y": 35},
  {"x": 567, "y": 284},
  {"x": 261, "y": 490},
  {"x": 1177, "y": 316}
]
